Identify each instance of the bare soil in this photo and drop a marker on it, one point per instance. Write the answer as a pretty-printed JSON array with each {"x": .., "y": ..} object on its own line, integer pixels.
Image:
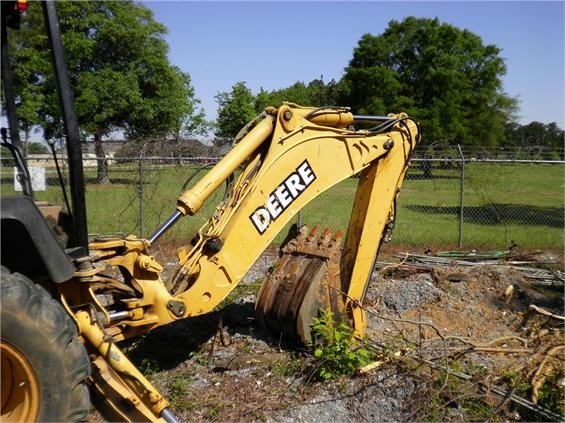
[{"x": 458, "y": 340}]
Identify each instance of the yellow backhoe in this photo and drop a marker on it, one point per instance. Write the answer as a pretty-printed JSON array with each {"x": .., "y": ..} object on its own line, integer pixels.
[{"x": 64, "y": 310}]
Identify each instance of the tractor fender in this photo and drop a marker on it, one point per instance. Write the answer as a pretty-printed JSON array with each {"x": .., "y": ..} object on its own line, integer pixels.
[{"x": 29, "y": 245}]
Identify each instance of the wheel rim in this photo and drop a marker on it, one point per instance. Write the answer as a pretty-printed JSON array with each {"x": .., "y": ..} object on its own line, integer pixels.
[{"x": 20, "y": 387}]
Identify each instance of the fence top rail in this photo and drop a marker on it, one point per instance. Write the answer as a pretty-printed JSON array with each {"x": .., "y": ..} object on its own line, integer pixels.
[
  {"x": 456, "y": 159},
  {"x": 209, "y": 159}
]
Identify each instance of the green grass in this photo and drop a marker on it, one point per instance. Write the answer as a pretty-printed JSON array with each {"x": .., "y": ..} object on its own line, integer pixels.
[
  {"x": 502, "y": 203},
  {"x": 523, "y": 203}
]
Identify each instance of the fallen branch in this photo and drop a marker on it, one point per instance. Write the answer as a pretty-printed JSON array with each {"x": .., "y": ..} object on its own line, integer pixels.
[
  {"x": 494, "y": 350},
  {"x": 487, "y": 344},
  {"x": 540, "y": 375},
  {"x": 371, "y": 366},
  {"x": 545, "y": 312},
  {"x": 548, "y": 414}
]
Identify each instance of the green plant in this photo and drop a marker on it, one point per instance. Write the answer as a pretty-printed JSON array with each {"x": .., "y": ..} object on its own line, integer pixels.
[
  {"x": 289, "y": 365},
  {"x": 335, "y": 349},
  {"x": 551, "y": 393},
  {"x": 148, "y": 367},
  {"x": 451, "y": 397},
  {"x": 179, "y": 392}
]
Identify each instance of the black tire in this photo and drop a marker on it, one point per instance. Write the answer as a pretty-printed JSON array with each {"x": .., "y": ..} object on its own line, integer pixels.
[{"x": 39, "y": 341}]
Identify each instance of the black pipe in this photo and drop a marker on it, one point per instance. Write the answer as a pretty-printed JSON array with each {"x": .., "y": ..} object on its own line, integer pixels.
[{"x": 74, "y": 152}]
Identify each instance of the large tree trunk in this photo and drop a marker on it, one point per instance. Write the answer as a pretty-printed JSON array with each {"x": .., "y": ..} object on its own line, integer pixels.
[{"x": 101, "y": 161}]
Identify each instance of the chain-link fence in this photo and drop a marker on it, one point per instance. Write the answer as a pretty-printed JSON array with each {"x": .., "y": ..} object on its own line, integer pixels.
[{"x": 459, "y": 197}]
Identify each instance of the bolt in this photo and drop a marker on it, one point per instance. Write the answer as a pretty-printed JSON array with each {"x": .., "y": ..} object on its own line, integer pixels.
[{"x": 388, "y": 144}]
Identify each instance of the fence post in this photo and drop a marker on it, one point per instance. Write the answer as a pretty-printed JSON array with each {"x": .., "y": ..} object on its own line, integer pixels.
[
  {"x": 461, "y": 195},
  {"x": 140, "y": 192}
]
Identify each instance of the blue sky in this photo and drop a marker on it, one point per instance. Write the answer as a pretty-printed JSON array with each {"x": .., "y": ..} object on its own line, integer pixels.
[{"x": 272, "y": 44}]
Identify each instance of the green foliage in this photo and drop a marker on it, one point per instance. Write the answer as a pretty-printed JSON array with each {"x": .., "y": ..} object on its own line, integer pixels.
[
  {"x": 452, "y": 396},
  {"x": 235, "y": 109},
  {"x": 441, "y": 75},
  {"x": 550, "y": 395},
  {"x": 536, "y": 136},
  {"x": 114, "y": 85},
  {"x": 36, "y": 148},
  {"x": 148, "y": 367},
  {"x": 179, "y": 392},
  {"x": 240, "y": 105},
  {"x": 336, "y": 351},
  {"x": 290, "y": 365},
  {"x": 316, "y": 93}
]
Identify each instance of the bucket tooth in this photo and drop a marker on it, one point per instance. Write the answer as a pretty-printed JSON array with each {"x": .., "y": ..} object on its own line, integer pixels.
[
  {"x": 326, "y": 237},
  {"x": 338, "y": 235}
]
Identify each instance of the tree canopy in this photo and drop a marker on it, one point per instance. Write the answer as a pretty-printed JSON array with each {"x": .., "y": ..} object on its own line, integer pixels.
[
  {"x": 235, "y": 109},
  {"x": 441, "y": 75},
  {"x": 316, "y": 93},
  {"x": 536, "y": 135},
  {"x": 120, "y": 74},
  {"x": 240, "y": 105}
]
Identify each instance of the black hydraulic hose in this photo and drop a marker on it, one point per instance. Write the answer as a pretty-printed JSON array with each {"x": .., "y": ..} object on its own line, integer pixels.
[
  {"x": 193, "y": 175},
  {"x": 369, "y": 118},
  {"x": 23, "y": 175}
]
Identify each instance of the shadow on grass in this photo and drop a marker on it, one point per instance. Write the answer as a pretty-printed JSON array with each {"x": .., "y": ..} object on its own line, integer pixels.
[
  {"x": 496, "y": 214},
  {"x": 419, "y": 176}
]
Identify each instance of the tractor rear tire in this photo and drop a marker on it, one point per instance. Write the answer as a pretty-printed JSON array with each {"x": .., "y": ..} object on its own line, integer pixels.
[{"x": 44, "y": 366}]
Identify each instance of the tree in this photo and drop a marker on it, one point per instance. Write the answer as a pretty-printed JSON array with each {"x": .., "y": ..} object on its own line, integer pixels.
[
  {"x": 235, "y": 109},
  {"x": 442, "y": 76},
  {"x": 317, "y": 94},
  {"x": 536, "y": 136},
  {"x": 36, "y": 148},
  {"x": 27, "y": 68},
  {"x": 121, "y": 78}
]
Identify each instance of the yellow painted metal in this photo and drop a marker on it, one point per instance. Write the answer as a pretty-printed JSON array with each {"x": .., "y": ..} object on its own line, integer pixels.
[
  {"x": 288, "y": 159},
  {"x": 151, "y": 308},
  {"x": 373, "y": 209},
  {"x": 20, "y": 386},
  {"x": 327, "y": 155},
  {"x": 191, "y": 201},
  {"x": 119, "y": 378}
]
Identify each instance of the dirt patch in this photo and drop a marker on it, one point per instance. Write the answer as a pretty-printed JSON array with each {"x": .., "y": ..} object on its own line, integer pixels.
[{"x": 461, "y": 340}]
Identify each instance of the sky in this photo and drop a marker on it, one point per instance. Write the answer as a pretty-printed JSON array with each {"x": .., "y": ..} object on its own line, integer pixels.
[{"x": 273, "y": 44}]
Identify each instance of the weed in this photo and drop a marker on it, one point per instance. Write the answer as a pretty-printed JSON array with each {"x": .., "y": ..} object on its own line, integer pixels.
[
  {"x": 148, "y": 367},
  {"x": 178, "y": 392},
  {"x": 336, "y": 352},
  {"x": 213, "y": 409},
  {"x": 550, "y": 395},
  {"x": 287, "y": 366},
  {"x": 515, "y": 382},
  {"x": 451, "y": 397}
]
